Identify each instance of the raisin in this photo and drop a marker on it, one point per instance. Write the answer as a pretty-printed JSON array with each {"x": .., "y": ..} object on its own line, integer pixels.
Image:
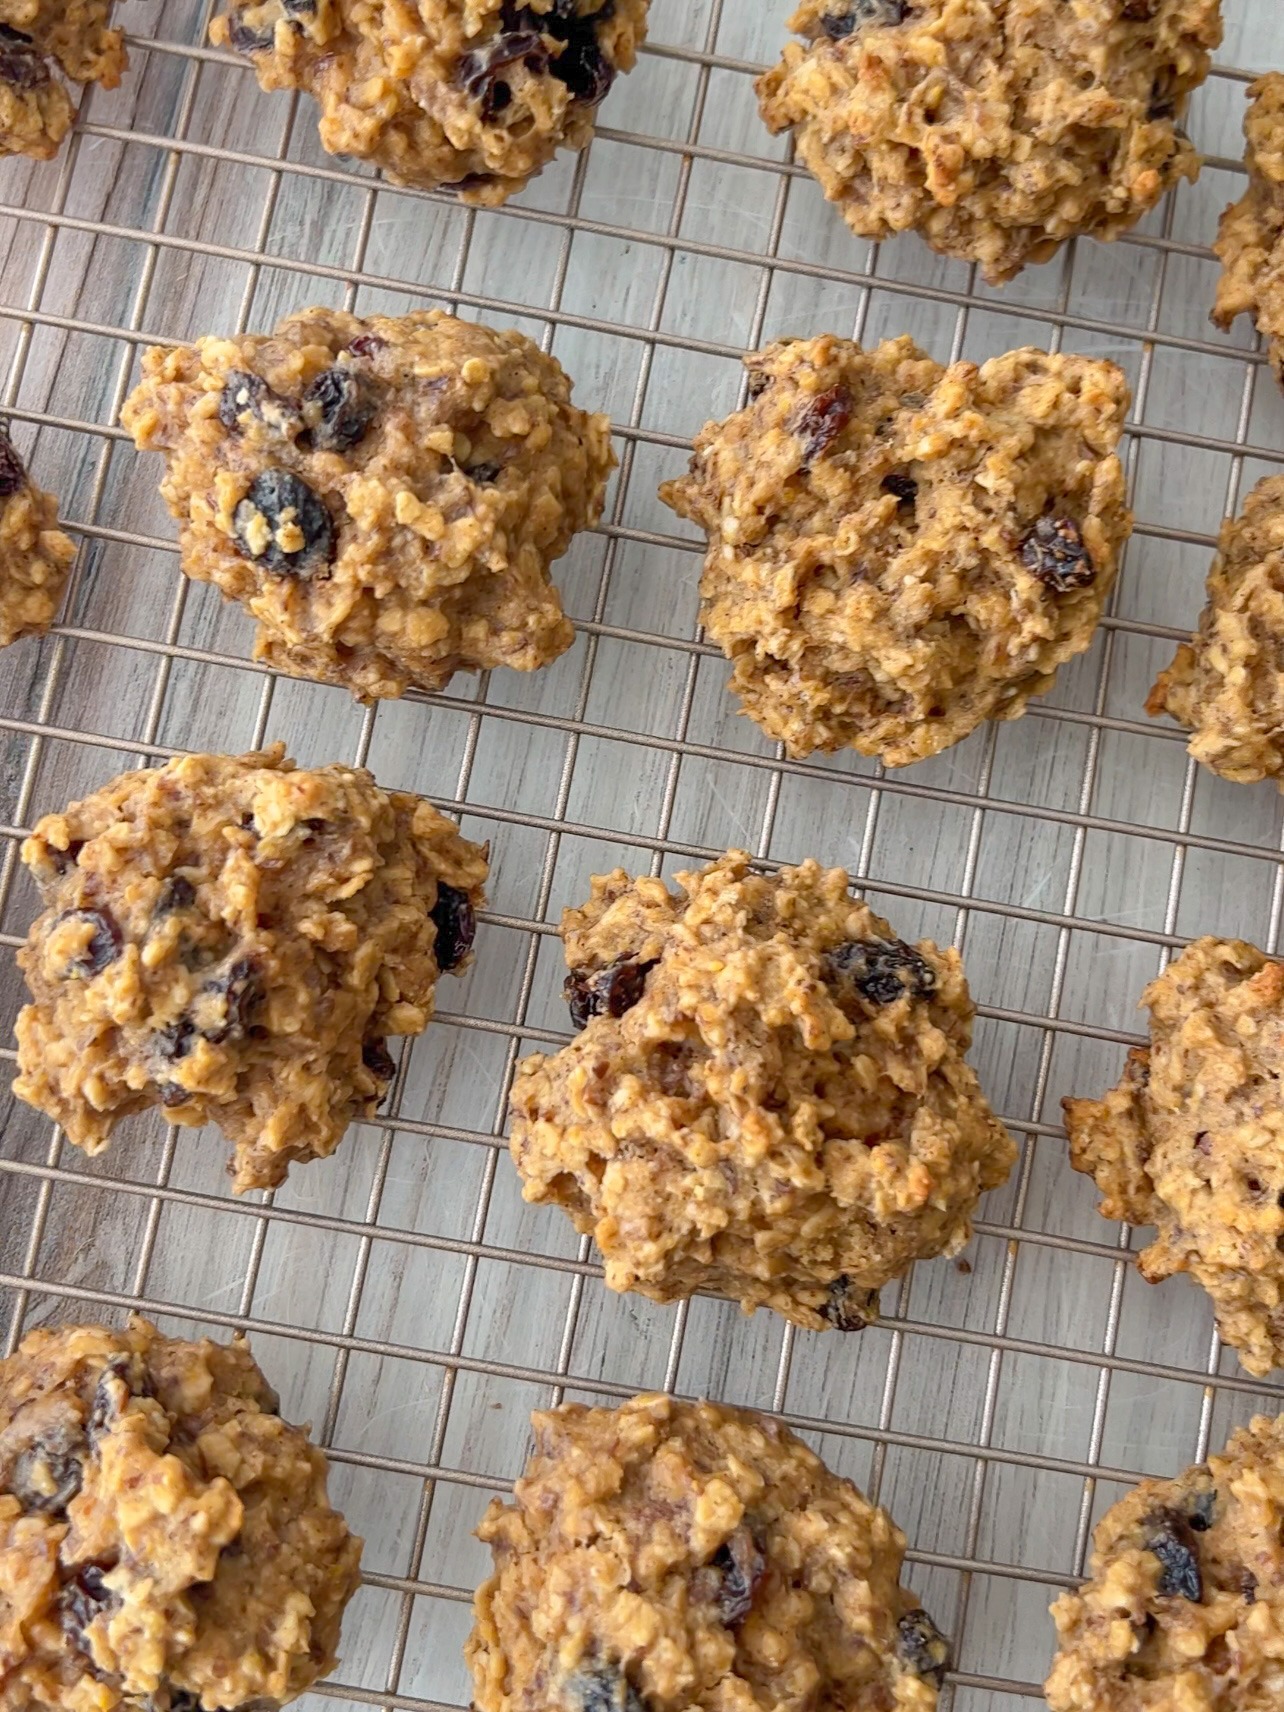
[
  {"x": 584, "y": 69},
  {"x": 177, "y": 893},
  {"x": 65, "y": 860},
  {"x": 1200, "y": 1511},
  {"x": 1138, "y": 11},
  {"x": 606, "y": 992},
  {"x": 247, "y": 40},
  {"x": 1168, "y": 1536},
  {"x": 836, "y": 25},
  {"x": 821, "y": 421},
  {"x": 103, "y": 946},
  {"x": 757, "y": 383},
  {"x": 366, "y": 344},
  {"x": 13, "y": 472},
  {"x": 922, "y": 1648},
  {"x": 82, "y": 1599},
  {"x": 240, "y": 986},
  {"x": 456, "y": 925},
  {"x": 904, "y": 487},
  {"x": 174, "y": 1040},
  {"x": 47, "y": 1475},
  {"x": 242, "y": 395},
  {"x": 22, "y": 65},
  {"x": 338, "y": 408},
  {"x": 604, "y": 1688},
  {"x": 1248, "y": 1586},
  {"x": 378, "y": 1060},
  {"x": 738, "y": 1567},
  {"x": 848, "y": 1307},
  {"x": 479, "y": 71},
  {"x": 483, "y": 474},
  {"x": 1053, "y": 549},
  {"x": 173, "y": 1094},
  {"x": 111, "y": 1394},
  {"x": 880, "y": 971},
  {"x": 280, "y": 499}
]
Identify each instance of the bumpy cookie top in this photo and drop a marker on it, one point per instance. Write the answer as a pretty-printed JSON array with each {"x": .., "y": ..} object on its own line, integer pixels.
[
  {"x": 1192, "y": 1139},
  {"x": 667, "y": 1555},
  {"x": 233, "y": 938},
  {"x": 385, "y": 496},
  {"x": 996, "y": 129},
  {"x": 474, "y": 95},
  {"x": 166, "y": 1542},
  {"x": 767, "y": 1099},
  {"x": 35, "y": 555},
  {"x": 1227, "y": 684},
  {"x": 35, "y": 109},
  {"x": 1185, "y": 1605},
  {"x": 899, "y": 550}
]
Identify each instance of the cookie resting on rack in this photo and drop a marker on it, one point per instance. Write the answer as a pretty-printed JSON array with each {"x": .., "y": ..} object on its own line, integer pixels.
[
  {"x": 166, "y": 1542},
  {"x": 1184, "y": 1608},
  {"x": 383, "y": 496},
  {"x": 1250, "y": 238},
  {"x": 664, "y": 1555},
  {"x": 995, "y": 129},
  {"x": 232, "y": 939},
  {"x": 1226, "y": 685},
  {"x": 472, "y": 96},
  {"x": 1192, "y": 1139},
  {"x": 35, "y": 555},
  {"x": 767, "y": 1098},
  {"x": 36, "y": 111},
  {"x": 899, "y": 551}
]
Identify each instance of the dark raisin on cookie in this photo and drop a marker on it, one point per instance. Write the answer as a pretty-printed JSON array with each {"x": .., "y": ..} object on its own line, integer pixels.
[
  {"x": 103, "y": 946},
  {"x": 111, "y": 1394},
  {"x": 757, "y": 383},
  {"x": 177, "y": 893},
  {"x": 821, "y": 421},
  {"x": 82, "y": 1599},
  {"x": 46, "y": 1476},
  {"x": 1053, "y": 550},
  {"x": 606, "y": 992},
  {"x": 1200, "y": 1510},
  {"x": 881, "y": 971},
  {"x": 22, "y": 65},
  {"x": 367, "y": 344},
  {"x": 857, "y": 14},
  {"x": 248, "y": 40},
  {"x": 603, "y": 1688},
  {"x": 174, "y": 1040},
  {"x": 281, "y": 500},
  {"x": 338, "y": 408},
  {"x": 483, "y": 474},
  {"x": 456, "y": 923},
  {"x": 378, "y": 1060},
  {"x": 480, "y": 71},
  {"x": 735, "y": 1571},
  {"x": 242, "y": 395},
  {"x": 240, "y": 986},
  {"x": 903, "y": 486},
  {"x": 849, "y": 1307},
  {"x": 1168, "y": 1535},
  {"x": 13, "y": 472},
  {"x": 922, "y": 1648}
]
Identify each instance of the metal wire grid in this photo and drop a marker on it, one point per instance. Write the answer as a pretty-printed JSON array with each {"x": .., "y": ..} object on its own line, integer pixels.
[{"x": 400, "y": 1295}]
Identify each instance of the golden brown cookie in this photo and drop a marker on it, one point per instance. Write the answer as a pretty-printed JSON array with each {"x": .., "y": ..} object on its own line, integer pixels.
[
  {"x": 473, "y": 96},
  {"x": 384, "y": 496},
  {"x": 1184, "y": 1609},
  {"x": 767, "y": 1098},
  {"x": 35, "y": 108},
  {"x": 668, "y": 1555},
  {"x": 35, "y": 555},
  {"x": 166, "y": 1542},
  {"x": 995, "y": 129},
  {"x": 1250, "y": 238},
  {"x": 1192, "y": 1139},
  {"x": 899, "y": 551},
  {"x": 1226, "y": 685},
  {"x": 232, "y": 939}
]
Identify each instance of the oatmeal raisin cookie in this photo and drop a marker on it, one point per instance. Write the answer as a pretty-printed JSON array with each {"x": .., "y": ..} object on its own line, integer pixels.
[
  {"x": 35, "y": 555},
  {"x": 35, "y": 109},
  {"x": 232, "y": 939},
  {"x": 899, "y": 551},
  {"x": 664, "y": 1555},
  {"x": 767, "y": 1098},
  {"x": 1250, "y": 239}
]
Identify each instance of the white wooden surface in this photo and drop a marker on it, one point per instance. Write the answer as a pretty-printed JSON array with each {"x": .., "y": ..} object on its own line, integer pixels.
[{"x": 411, "y": 1307}]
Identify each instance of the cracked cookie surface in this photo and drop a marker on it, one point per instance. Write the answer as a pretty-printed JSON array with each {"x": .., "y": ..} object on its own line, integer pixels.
[
  {"x": 669, "y": 1555},
  {"x": 233, "y": 939},
  {"x": 899, "y": 551},
  {"x": 1250, "y": 237},
  {"x": 384, "y": 496},
  {"x": 473, "y": 96},
  {"x": 1184, "y": 1608},
  {"x": 1226, "y": 685},
  {"x": 35, "y": 555},
  {"x": 1191, "y": 1140},
  {"x": 996, "y": 129},
  {"x": 768, "y": 1098},
  {"x": 36, "y": 111},
  {"x": 166, "y": 1542}
]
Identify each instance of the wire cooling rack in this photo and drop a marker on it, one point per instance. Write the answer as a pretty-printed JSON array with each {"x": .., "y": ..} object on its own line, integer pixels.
[{"x": 401, "y": 1295}]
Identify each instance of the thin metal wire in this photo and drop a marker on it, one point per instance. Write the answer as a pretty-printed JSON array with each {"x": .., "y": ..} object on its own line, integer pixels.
[{"x": 445, "y": 1349}]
